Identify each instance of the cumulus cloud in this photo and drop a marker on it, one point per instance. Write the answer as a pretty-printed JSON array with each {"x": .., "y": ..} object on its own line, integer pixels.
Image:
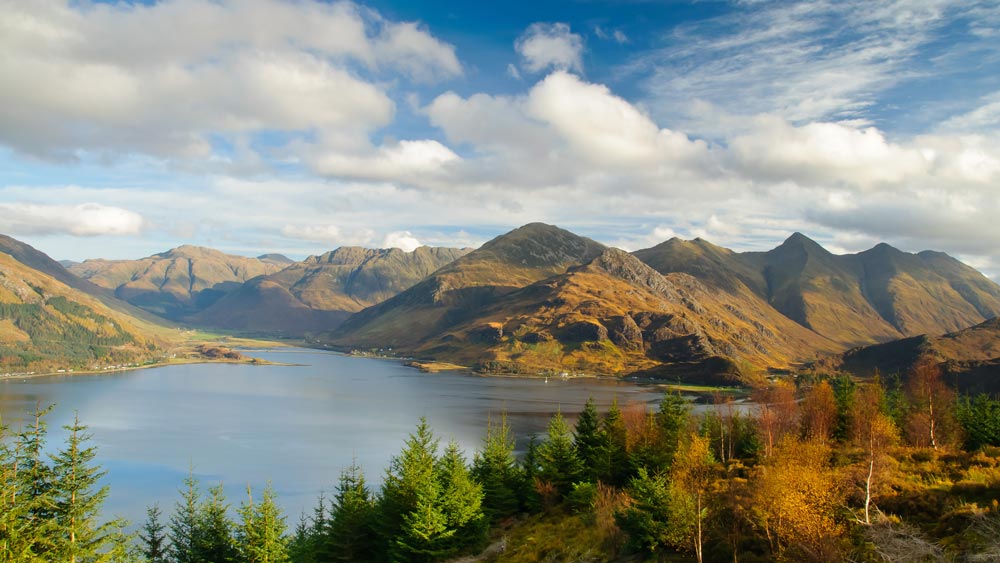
[
  {"x": 403, "y": 240},
  {"x": 331, "y": 235},
  {"x": 88, "y": 219},
  {"x": 166, "y": 79},
  {"x": 405, "y": 161},
  {"x": 546, "y": 46}
]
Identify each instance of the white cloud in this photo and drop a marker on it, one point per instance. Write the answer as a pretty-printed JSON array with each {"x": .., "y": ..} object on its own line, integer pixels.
[
  {"x": 331, "y": 235},
  {"x": 168, "y": 79},
  {"x": 546, "y": 46},
  {"x": 405, "y": 162},
  {"x": 513, "y": 72},
  {"x": 403, "y": 240},
  {"x": 88, "y": 219}
]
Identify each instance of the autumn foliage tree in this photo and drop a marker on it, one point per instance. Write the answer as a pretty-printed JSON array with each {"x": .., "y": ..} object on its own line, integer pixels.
[
  {"x": 930, "y": 421},
  {"x": 819, "y": 412}
]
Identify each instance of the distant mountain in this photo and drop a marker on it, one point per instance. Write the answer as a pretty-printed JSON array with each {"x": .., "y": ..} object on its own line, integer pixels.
[
  {"x": 175, "y": 283},
  {"x": 321, "y": 291},
  {"x": 970, "y": 358},
  {"x": 854, "y": 299},
  {"x": 47, "y": 324},
  {"x": 279, "y": 260}
]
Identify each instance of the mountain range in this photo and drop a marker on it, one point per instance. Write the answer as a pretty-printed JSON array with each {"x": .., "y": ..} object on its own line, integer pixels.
[{"x": 542, "y": 299}]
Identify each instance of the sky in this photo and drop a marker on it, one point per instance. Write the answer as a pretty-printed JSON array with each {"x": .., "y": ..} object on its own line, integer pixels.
[{"x": 253, "y": 126}]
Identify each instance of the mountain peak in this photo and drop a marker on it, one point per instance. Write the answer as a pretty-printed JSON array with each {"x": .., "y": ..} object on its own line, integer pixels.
[
  {"x": 538, "y": 245},
  {"x": 800, "y": 241}
]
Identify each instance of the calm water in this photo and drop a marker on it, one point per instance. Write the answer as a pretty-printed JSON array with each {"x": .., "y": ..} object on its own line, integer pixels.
[{"x": 297, "y": 426}]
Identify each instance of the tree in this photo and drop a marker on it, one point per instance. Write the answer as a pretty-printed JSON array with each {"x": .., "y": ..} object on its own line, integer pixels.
[
  {"x": 776, "y": 413},
  {"x": 588, "y": 439},
  {"x": 930, "y": 421},
  {"x": 17, "y": 535},
  {"x": 613, "y": 466},
  {"x": 77, "y": 500},
  {"x": 980, "y": 421},
  {"x": 672, "y": 419},
  {"x": 647, "y": 519},
  {"x": 215, "y": 542},
  {"x": 557, "y": 459},
  {"x": 690, "y": 477},
  {"x": 35, "y": 481},
  {"x": 184, "y": 524},
  {"x": 153, "y": 537},
  {"x": 844, "y": 389},
  {"x": 260, "y": 537},
  {"x": 819, "y": 412},
  {"x": 350, "y": 533},
  {"x": 496, "y": 470},
  {"x": 873, "y": 431},
  {"x": 461, "y": 501}
]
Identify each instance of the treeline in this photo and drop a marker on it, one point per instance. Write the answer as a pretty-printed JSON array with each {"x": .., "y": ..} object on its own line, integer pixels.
[{"x": 823, "y": 470}]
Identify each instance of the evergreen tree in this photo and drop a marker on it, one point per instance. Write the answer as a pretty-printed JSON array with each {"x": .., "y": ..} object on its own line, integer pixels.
[
  {"x": 673, "y": 422},
  {"x": 461, "y": 501},
  {"x": 496, "y": 470},
  {"x": 350, "y": 534},
  {"x": 588, "y": 439},
  {"x": 184, "y": 524},
  {"x": 77, "y": 500},
  {"x": 34, "y": 486},
  {"x": 215, "y": 543},
  {"x": 153, "y": 537},
  {"x": 613, "y": 465},
  {"x": 530, "y": 469},
  {"x": 302, "y": 547},
  {"x": 409, "y": 519},
  {"x": 261, "y": 534},
  {"x": 16, "y": 533},
  {"x": 647, "y": 519},
  {"x": 558, "y": 462}
]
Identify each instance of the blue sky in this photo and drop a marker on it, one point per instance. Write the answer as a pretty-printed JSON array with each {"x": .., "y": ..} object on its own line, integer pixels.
[{"x": 298, "y": 126}]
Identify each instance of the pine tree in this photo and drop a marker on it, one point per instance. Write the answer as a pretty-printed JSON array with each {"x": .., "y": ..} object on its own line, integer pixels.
[
  {"x": 588, "y": 440},
  {"x": 558, "y": 462},
  {"x": 261, "y": 534},
  {"x": 461, "y": 501},
  {"x": 153, "y": 537},
  {"x": 215, "y": 530},
  {"x": 672, "y": 420},
  {"x": 77, "y": 500},
  {"x": 350, "y": 533},
  {"x": 184, "y": 525},
  {"x": 16, "y": 537},
  {"x": 496, "y": 470},
  {"x": 530, "y": 469}
]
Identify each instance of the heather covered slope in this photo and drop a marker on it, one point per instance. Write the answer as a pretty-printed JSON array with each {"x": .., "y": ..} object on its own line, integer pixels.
[
  {"x": 46, "y": 324},
  {"x": 175, "y": 283},
  {"x": 321, "y": 291}
]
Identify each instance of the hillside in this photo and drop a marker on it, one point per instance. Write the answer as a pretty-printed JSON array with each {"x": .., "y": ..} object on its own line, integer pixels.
[
  {"x": 178, "y": 282},
  {"x": 46, "y": 324},
  {"x": 878, "y": 295},
  {"x": 321, "y": 291},
  {"x": 970, "y": 358}
]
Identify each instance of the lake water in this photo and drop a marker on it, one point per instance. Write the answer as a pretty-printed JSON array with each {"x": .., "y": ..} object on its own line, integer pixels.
[{"x": 296, "y": 426}]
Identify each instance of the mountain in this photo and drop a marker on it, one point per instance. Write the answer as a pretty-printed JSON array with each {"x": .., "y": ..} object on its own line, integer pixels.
[
  {"x": 47, "y": 324},
  {"x": 970, "y": 358},
  {"x": 279, "y": 260},
  {"x": 321, "y": 291},
  {"x": 175, "y": 283},
  {"x": 502, "y": 265},
  {"x": 878, "y": 295}
]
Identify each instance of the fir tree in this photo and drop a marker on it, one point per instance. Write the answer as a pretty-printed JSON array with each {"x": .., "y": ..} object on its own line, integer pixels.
[
  {"x": 153, "y": 537},
  {"x": 558, "y": 462},
  {"x": 496, "y": 470},
  {"x": 588, "y": 440},
  {"x": 613, "y": 465},
  {"x": 673, "y": 421},
  {"x": 215, "y": 543},
  {"x": 77, "y": 500},
  {"x": 350, "y": 533},
  {"x": 461, "y": 501},
  {"x": 184, "y": 525},
  {"x": 261, "y": 534},
  {"x": 34, "y": 483},
  {"x": 16, "y": 534}
]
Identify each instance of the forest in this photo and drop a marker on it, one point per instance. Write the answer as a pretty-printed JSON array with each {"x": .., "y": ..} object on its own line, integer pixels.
[{"x": 824, "y": 468}]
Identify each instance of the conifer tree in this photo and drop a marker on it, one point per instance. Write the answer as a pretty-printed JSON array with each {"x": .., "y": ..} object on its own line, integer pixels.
[
  {"x": 613, "y": 466},
  {"x": 215, "y": 530},
  {"x": 34, "y": 484},
  {"x": 530, "y": 470},
  {"x": 350, "y": 533},
  {"x": 153, "y": 537},
  {"x": 185, "y": 528},
  {"x": 496, "y": 470},
  {"x": 558, "y": 462},
  {"x": 461, "y": 501},
  {"x": 16, "y": 534},
  {"x": 588, "y": 440},
  {"x": 673, "y": 421},
  {"x": 78, "y": 536},
  {"x": 408, "y": 516},
  {"x": 261, "y": 533}
]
